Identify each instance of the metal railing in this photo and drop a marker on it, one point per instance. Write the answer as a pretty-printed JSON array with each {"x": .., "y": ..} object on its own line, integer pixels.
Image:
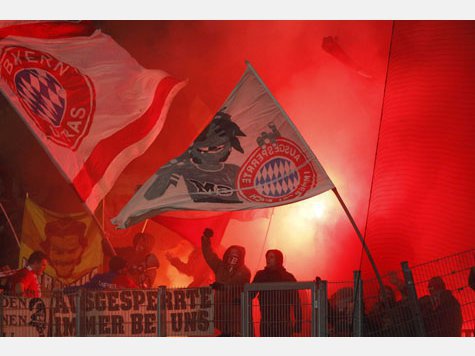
[{"x": 305, "y": 309}]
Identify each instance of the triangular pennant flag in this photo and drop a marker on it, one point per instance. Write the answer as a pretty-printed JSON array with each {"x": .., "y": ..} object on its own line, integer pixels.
[{"x": 250, "y": 156}]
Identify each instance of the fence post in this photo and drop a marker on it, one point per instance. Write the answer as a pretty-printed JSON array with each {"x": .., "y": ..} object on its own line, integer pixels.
[
  {"x": 358, "y": 304},
  {"x": 244, "y": 312},
  {"x": 78, "y": 312},
  {"x": 412, "y": 296},
  {"x": 313, "y": 329},
  {"x": 1, "y": 315},
  {"x": 322, "y": 311},
  {"x": 162, "y": 311}
]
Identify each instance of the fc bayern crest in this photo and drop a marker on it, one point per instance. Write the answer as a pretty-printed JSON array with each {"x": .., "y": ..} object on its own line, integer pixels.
[
  {"x": 276, "y": 172},
  {"x": 57, "y": 97}
]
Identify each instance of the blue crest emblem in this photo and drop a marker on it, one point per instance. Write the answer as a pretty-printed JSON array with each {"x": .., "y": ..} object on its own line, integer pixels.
[{"x": 42, "y": 93}]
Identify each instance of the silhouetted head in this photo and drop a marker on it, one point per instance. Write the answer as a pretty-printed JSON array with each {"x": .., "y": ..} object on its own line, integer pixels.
[
  {"x": 38, "y": 262},
  {"x": 234, "y": 256},
  {"x": 274, "y": 259},
  {"x": 436, "y": 285},
  {"x": 143, "y": 242}
]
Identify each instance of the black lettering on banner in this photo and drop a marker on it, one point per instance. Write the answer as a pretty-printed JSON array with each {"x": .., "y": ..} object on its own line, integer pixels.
[
  {"x": 168, "y": 300},
  {"x": 117, "y": 322},
  {"x": 90, "y": 325},
  {"x": 180, "y": 303},
  {"x": 203, "y": 322},
  {"x": 150, "y": 322},
  {"x": 57, "y": 326},
  {"x": 69, "y": 326},
  {"x": 177, "y": 321},
  {"x": 59, "y": 304},
  {"x": 71, "y": 300},
  {"x": 126, "y": 299},
  {"x": 14, "y": 303},
  {"x": 205, "y": 294},
  {"x": 191, "y": 294},
  {"x": 152, "y": 300},
  {"x": 14, "y": 320},
  {"x": 190, "y": 321},
  {"x": 138, "y": 298},
  {"x": 137, "y": 323},
  {"x": 100, "y": 299},
  {"x": 104, "y": 327},
  {"x": 89, "y": 301},
  {"x": 112, "y": 304}
]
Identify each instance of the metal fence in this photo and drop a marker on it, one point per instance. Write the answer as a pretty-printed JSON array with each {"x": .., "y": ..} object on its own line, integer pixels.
[
  {"x": 279, "y": 309},
  {"x": 430, "y": 299}
]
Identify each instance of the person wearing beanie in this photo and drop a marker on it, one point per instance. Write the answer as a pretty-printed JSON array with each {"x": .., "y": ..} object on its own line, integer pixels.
[
  {"x": 231, "y": 274},
  {"x": 276, "y": 306}
]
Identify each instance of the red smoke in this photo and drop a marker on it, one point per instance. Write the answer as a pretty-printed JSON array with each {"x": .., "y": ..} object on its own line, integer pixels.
[{"x": 336, "y": 109}]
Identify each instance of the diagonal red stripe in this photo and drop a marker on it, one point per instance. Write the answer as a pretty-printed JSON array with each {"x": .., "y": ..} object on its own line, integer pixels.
[
  {"x": 49, "y": 29},
  {"x": 106, "y": 150}
]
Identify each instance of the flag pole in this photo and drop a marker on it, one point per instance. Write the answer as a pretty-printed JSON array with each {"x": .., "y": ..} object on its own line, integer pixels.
[
  {"x": 10, "y": 224},
  {"x": 106, "y": 243},
  {"x": 311, "y": 154},
  {"x": 265, "y": 239},
  {"x": 66, "y": 178},
  {"x": 360, "y": 236},
  {"x": 144, "y": 226}
]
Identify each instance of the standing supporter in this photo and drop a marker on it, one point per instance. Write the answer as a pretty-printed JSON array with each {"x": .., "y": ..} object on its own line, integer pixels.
[
  {"x": 24, "y": 283},
  {"x": 230, "y": 276}
]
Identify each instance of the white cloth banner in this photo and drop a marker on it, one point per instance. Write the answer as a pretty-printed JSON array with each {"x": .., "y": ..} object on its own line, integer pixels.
[
  {"x": 250, "y": 156},
  {"x": 90, "y": 104}
]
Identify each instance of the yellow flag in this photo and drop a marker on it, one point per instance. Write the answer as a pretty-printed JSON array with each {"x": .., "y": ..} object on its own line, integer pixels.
[{"x": 71, "y": 241}]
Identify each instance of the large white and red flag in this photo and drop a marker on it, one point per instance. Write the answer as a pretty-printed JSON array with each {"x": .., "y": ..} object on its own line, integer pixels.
[
  {"x": 250, "y": 156},
  {"x": 92, "y": 106}
]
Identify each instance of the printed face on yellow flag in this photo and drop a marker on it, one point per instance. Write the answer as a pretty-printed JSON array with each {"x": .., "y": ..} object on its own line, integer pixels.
[{"x": 72, "y": 242}]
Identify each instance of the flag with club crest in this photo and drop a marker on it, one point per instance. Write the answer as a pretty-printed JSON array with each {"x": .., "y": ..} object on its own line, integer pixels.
[
  {"x": 250, "y": 156},
  {"x": 90, "y": 104}
]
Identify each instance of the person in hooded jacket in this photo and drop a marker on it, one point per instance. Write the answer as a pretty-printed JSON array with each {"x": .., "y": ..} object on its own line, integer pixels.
[
  {"x": 276, "y": 306},
  {"x": 231, "y": 274},
  {"x": 143, "y": 263},
  {"x": 447, "y": 317}
]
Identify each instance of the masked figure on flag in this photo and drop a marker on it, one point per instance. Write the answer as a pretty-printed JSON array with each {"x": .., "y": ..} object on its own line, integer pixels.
[
  {"x": 250, "y": 156},
  {"x": 72, "y": 242},
  {"x": 207, "y": 177},
  {"x": 65, "y": 243}
]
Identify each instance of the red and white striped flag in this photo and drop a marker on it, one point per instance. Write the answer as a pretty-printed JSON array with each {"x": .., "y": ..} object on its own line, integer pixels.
[{"x": 90, "y": 104}]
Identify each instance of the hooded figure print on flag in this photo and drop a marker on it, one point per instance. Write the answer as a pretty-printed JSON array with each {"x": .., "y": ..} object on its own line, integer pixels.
[
  {"x": 72, "y": 242},
  {"x": 250, "y": 156},
  {"x": 89, "y": 103}
]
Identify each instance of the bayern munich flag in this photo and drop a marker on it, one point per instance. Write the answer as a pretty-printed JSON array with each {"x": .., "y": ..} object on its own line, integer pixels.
[
  {"x": 250, "y": 156},
  {"x": 90, "y": 104}
]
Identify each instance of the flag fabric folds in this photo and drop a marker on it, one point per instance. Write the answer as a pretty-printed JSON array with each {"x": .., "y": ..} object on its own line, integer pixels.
[
  {"x": 72, "y": 243},
  {"x": 85, "y": 98},
  {"x": 250, "y": 156}
]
